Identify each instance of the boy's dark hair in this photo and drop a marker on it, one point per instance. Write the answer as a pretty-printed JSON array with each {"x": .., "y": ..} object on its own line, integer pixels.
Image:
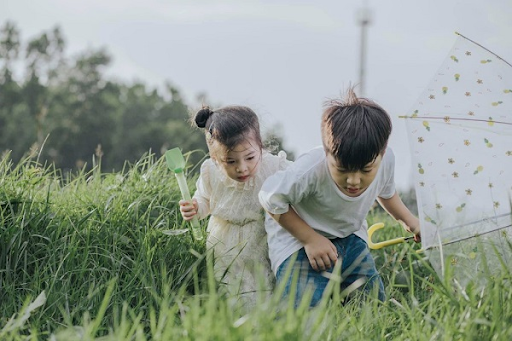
[
  {"x": 355, "y": 130},
  {"x": 229, "y": 126}
]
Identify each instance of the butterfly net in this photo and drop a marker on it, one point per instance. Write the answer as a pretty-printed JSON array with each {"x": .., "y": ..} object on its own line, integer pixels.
[{"x": 460, "y": 138}]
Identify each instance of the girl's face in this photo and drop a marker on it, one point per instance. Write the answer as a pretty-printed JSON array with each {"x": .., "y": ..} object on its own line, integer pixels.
[{"x": 242, "y": 162}]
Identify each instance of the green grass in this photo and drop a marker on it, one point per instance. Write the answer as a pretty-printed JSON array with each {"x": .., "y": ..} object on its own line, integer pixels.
[{"x": 90, "y": 258}]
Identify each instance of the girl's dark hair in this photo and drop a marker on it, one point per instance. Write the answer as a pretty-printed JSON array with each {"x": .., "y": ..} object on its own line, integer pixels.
[
  {"x": 355, "y": 130},
  {"x": 229, "y": 126}
]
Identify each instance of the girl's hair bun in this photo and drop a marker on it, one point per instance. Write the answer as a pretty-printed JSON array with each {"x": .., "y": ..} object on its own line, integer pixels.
[{"x": 202, "y": 117}]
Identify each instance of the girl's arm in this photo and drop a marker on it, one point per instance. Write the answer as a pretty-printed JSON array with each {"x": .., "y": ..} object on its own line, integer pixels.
[
  {"x": 200, "y": 203},
  {"x": 321, "y": 252},
  {"x": 396, "y": 208}
]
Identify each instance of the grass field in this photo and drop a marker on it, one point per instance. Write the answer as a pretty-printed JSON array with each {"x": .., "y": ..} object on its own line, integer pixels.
[{"x": 100, "y": 257}]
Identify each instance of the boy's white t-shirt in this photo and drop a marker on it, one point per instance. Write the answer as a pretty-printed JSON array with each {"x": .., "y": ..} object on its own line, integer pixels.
[{"x": 308, "y": 186}]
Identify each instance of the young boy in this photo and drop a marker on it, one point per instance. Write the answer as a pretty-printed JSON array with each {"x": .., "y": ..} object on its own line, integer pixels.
[{"x": 321, "y": 201}]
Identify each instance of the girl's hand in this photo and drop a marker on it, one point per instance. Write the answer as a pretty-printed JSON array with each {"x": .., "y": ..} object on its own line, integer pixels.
[
  {"x": 321, "y": 252},
  {"x": 188, "y": 209}
]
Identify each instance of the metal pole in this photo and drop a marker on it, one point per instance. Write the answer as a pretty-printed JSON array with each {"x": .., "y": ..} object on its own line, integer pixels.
[{"x": 364, "y": 19}]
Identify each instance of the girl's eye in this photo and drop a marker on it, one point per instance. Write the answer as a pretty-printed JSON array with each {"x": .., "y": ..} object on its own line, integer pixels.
[
  {"x": 250, "y": 158},
  {"x": 230, "y": 162}
]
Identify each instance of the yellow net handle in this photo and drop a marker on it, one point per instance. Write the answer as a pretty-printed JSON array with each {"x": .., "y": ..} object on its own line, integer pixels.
[{"x": 380, "y": 245}]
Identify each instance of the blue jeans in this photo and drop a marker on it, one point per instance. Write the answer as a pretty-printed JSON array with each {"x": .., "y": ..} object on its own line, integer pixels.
[{"x": 357, "y": 269}]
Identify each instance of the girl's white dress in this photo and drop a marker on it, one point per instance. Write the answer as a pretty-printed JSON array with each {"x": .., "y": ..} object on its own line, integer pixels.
[{"x": 236, "y": 230}]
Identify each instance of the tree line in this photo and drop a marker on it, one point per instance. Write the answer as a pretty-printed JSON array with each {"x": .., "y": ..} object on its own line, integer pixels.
[{"x": 67, "y": 110}]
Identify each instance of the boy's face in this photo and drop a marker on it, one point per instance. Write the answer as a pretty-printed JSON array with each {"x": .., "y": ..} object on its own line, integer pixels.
[{"x": 353, "y": 183}]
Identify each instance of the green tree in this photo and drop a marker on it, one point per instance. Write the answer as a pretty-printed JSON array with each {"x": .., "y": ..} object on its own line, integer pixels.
[
  {"x": 10, "y": 91},
  {"x": 44, "y": 56},
  {"x": 82, "y": 113},
  {"x": 148, "y": 120},
  {"x": 274, "y": 142}
]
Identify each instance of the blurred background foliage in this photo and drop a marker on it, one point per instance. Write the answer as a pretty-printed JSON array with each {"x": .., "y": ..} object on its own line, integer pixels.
[{"x": 69, "y": 110}]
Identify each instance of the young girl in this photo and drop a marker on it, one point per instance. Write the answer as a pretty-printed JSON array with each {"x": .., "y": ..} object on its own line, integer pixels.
[{"x": 227, "y": 190}]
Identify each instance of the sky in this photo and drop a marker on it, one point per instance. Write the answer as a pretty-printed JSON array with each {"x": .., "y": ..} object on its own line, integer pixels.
[{"x": 282, "y": 58}]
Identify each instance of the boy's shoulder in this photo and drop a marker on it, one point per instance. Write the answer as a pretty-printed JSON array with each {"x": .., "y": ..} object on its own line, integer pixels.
[
  {"x": 389, "y": 157},
  {"x": 309, "y": 162},
  {"x": 314, "y": 155}
]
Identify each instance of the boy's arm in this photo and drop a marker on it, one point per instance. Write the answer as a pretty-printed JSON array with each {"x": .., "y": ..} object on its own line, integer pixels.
[
  {"x": 396, "y": 208},
  {"x": 321, "y": 252}
]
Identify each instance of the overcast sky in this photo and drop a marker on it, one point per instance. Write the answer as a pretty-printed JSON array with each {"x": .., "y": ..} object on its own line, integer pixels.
[{"x": 282, "y": 58}]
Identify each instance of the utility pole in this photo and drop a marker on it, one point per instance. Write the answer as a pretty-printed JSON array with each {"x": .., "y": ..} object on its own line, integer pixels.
[{"x": 364, "y": 18}]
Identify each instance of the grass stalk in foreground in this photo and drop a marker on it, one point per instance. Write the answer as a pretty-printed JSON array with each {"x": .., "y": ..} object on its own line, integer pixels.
[{"x": 94, "y": 246}]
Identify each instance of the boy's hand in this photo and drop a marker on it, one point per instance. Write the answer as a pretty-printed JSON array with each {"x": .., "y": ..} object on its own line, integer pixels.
[
  {"x": 396, "y": 208},
  {"x": 188, "y": 209},
  {"x": 321, "y": 252},
  {"x": 417, "y": 233},
  {"x": 413, "y": 227}
]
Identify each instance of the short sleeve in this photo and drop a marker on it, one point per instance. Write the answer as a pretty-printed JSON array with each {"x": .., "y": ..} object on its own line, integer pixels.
[
  {"x": 281, "y": 190},
  {"x": 388, "y": 177},
  {"x": 204, "y": 189}
]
